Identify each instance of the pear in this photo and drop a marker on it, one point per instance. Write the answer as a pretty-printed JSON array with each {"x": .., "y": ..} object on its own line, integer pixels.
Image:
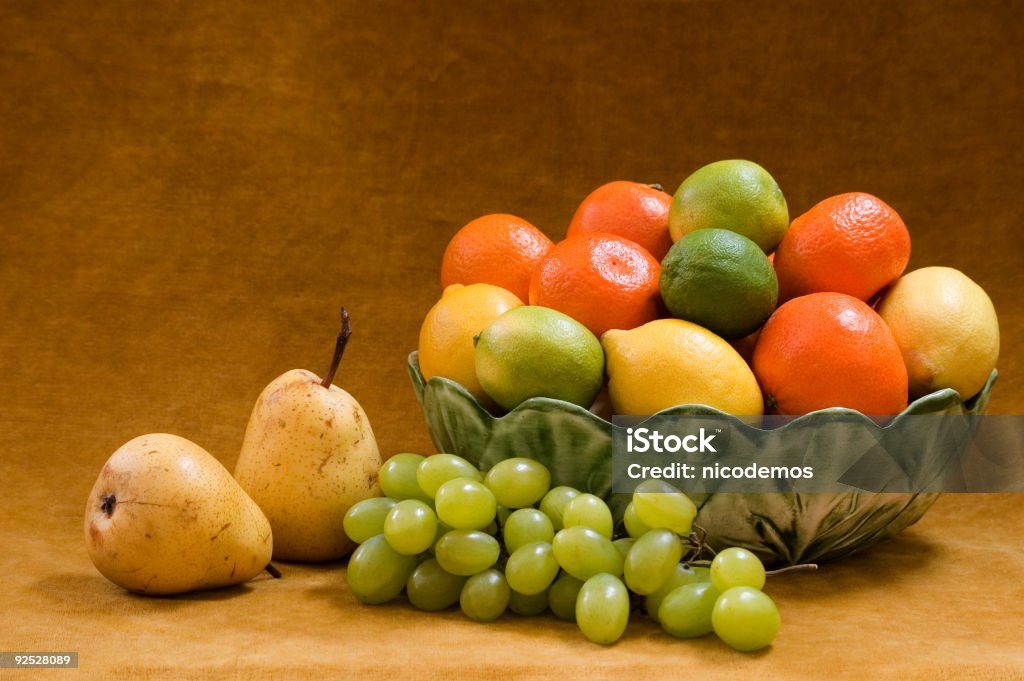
[
  {"x": 165, "y": 517},
  {"x": 308, "y": 455}
]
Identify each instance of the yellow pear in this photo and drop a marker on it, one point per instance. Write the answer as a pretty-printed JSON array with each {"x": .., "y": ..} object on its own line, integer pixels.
[
  {"x": 308, "y": 455},
  {"x": 165, "y": 517}
]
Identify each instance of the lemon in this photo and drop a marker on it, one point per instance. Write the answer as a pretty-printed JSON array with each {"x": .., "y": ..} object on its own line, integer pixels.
[
  {"x": 946, "y": 328},
  {"x": 669, "y": 362},
  {"x": 720, "y": 280},
  {"x": 446, "y": 337},
  {"x": 534, "y": 351},
  {"x": 737, "y": 195}
]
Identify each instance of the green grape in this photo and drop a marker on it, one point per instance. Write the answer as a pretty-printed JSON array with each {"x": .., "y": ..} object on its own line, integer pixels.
[
  {"x": 532, "y": 568},
  {"x": 528, "y": 605},
  {"x": 736, "y": 567},
  {"x": 492, "y": 528},
  {"x": 624, "y": 544},
  {"x": 659, "y": 504},
  {"x": 365, "y": 518},
  {"x": 503, "y": 514},
  {"x": 588, "y": 510},
  {"x": 562, "y": 596},
  {"x": 634, "y": 526},
  {"x": 376, "y": 572},
  {"x": 686, "y": 611},
  {"x": 526, "y": 525},
  {"x": 554, "y": 503},
  {"x": 465, "y": 504},
  {"x": 466, "y": 552},
  {"x": 583, "y": 553},
  {"x": 432, "y": 588},
  {"x": 680, "y": 576},
  {"x": 602, "y": 608},
  {"x": 410, "y": 527},
  {"x": 442, "y": 530},
  {"x": 518, "y": 482},
  {"x": 438, "y": 469},
  {"x": 485, "y": 596},
  {"x": 398, "y": 477},
  {"x": 652, "y": 560},
  {"x": 745, "y": 618}
]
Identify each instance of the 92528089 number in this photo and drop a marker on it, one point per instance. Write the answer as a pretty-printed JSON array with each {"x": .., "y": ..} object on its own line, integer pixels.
[
  {"x": 27, "y": 660},
  {"x": 14, "y": 660}
]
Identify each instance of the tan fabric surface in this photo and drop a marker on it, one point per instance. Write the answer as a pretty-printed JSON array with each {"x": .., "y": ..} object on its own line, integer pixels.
[{"x": 187, "y": 192}]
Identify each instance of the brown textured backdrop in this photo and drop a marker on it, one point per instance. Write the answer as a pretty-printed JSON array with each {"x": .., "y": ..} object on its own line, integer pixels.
[{"x": 187, "y": 192}]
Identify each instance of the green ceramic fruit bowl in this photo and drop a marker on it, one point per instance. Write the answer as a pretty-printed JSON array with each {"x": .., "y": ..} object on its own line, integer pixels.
[{"x": 576, "y": 445}]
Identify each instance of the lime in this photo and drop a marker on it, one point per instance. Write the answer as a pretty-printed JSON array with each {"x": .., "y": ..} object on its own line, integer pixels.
[
  {"x": 737, "y": 195},
  {"x": 946, "y": 328},
  {"x": 720, "y": 280},
  {"x": 669, "y": 362},
  {"x": 534, "y": 351}
]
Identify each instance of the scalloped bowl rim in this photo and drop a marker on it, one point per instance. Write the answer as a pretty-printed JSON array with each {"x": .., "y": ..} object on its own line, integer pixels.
[{"x": 926, "y": 404}]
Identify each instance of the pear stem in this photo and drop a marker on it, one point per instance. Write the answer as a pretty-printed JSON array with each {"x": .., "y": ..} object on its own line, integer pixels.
[
  {"x": 273, "y": 571},
  {"x": 339, "y": 349}
]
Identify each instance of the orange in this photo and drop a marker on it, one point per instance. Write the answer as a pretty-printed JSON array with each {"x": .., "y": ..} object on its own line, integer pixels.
[
  {"x": 603, "y": 281},
  {"x": 638, "y": 212},
  {"x": 851, "y": 243},
  {"x": 497, "y": 249},
  {"x": 745, "y": 346},
  {"x": 446, "y": 336},
  {"x": 829, "y": 350}
]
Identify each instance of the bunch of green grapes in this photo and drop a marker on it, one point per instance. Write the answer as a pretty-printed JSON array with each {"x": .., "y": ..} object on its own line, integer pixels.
[{"x": 445, "y": 533}]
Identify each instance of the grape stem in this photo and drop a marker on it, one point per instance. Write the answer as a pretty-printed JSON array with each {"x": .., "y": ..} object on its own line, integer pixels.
[
  {"x": 799, "y": 567},
  {"x": 696, "y": 541}
]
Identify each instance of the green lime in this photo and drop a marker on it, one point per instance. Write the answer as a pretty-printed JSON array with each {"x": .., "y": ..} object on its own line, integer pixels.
[
  {"x": 737, "y": 195},
  {"x": 534, "y": 351},
  {"x": 720, "y": 280}
]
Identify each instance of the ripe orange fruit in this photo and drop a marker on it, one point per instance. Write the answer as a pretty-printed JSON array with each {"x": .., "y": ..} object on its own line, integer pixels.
[
  {"x": 638, "y": 212},
  {"x": 603, "y": 281},
  {"x": 497, "y": 249},
  {"x": 829, "y": 350},
  {"x": 745, "y": 346},
  {"x": 851, "y": 243},
  {"x": 446, "y": 336}
]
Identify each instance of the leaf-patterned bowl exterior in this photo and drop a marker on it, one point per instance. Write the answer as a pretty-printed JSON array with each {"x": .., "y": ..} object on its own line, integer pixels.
[{"x": 576, "y": 445}]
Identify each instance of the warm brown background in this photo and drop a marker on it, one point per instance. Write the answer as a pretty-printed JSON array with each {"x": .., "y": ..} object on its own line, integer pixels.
[{"x": 188, "y": 192}]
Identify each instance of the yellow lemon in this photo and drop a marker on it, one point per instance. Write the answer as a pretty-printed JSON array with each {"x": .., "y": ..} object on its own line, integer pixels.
[
  {"x": 669, "y": 362},
  {"x": 946, "y": 328},
  {"x": 446, "y": 337}
]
